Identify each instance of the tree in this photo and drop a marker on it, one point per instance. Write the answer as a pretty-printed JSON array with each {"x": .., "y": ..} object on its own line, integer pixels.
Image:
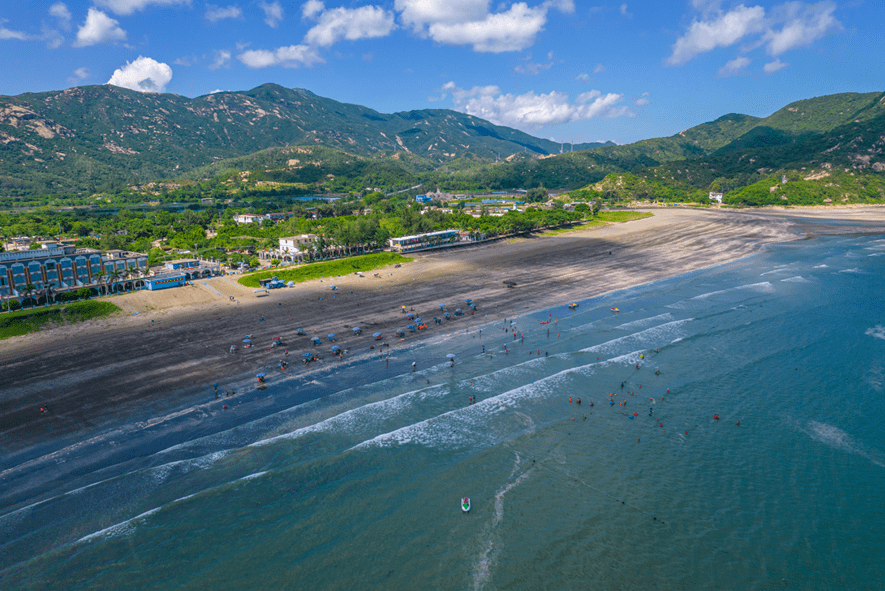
[{"x": 536, "y": 195}]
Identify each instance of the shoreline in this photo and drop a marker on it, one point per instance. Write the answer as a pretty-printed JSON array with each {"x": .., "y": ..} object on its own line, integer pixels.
[{"x": 100, "y": 372}]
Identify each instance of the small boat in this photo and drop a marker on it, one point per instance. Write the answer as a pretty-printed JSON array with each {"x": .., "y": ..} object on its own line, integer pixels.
[
  {"x": 465, "y": 504},
  {"x": 615, "y": 310}
]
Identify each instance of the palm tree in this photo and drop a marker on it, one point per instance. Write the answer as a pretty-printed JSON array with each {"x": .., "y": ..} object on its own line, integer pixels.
[
  {"x": 114, "y": 276},
  {"x": 48, "y": 293},
  {"x": 29, "y": 289}
]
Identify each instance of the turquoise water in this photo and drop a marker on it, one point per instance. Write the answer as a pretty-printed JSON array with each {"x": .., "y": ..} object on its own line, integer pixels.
[{"x": 350, "y": 477}]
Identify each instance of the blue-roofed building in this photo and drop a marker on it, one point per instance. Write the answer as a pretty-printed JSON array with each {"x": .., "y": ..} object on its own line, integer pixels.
[{"x": 423, "y": 198}]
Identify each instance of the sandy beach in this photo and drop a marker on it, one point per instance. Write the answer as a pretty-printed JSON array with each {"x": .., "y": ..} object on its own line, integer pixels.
[{"x": 172, "y": 344}]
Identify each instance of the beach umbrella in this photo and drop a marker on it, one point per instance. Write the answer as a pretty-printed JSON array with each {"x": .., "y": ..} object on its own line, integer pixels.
[
  {"x": 335, "y": 347},
  {"x": 260, "y": 375},
  {"x": 442, "y": 306},
  {"x": 307, "y": 355},
  {"x": 331, "y": 336},
  {"x": 299, "y": 331},
  {"x": 451, "y": 355},
  {"x": 356, "y": 329},
  {"x": 247, "y": 340},
  {"x": 377, "y": 335},
  {"x": 468, "y": 300},
  {"x": 410, "y": 315},
  {"x": 277, "y": 338}
]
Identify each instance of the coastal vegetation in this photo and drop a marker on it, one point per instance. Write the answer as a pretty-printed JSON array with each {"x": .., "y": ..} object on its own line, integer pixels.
[
  {"x": 31, "y": 320},
  {"x": 326, "y": 269}
]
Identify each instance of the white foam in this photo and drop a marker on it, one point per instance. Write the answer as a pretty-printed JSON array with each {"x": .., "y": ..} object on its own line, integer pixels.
[
  {"x": 853, "y": 270},
  {"x": 471, "y": 425},
  {"x": 877, "y": 332},
  {"x": 763, "y": 287},
  {"x": 796, "y": 279},
  {"x": 361, "y": 415},
  {"x": 643, "y": 322},
  {"x": 839, "y": 439},
  {"x": 120, "y": 529},
  {"x": 821, "y": 266},
  {"x": 256, "y": 475},
  {"x": 648, "y": 338}
]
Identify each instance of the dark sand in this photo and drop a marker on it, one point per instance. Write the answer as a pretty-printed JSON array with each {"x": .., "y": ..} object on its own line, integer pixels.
[{"x": 97, "y": 372}]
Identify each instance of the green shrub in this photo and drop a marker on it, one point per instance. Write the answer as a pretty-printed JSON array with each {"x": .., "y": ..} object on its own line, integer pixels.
[
  {"x": 310, "y": 271},
  {"x": 26, "y": 321}
]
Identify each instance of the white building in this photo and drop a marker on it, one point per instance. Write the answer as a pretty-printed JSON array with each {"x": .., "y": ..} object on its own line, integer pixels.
[
  {"x": 291, "y": 244},
  {"x": 248, "y": 218},
  {"x": 716, "y": 196}
]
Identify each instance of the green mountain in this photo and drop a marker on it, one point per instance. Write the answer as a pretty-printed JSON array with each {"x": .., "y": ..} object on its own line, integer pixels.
[
  {"x": 93, "y": 136},
  {"x": 829, "y": 149}
]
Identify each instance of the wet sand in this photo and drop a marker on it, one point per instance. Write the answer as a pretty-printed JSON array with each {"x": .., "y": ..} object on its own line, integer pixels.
[{"x": 178, "y": 343}]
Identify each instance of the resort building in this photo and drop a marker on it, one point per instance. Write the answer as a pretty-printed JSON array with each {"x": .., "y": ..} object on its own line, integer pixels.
[
  {"x": 423, "y": 241},
  {"x": 63, "y": 268},
  {"x": 292, "y": 244}
]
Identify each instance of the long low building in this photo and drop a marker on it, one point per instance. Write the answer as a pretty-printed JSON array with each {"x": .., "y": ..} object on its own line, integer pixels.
[
  {"x": 64, "y": 267},
  {"x": 422, "y": 241}
]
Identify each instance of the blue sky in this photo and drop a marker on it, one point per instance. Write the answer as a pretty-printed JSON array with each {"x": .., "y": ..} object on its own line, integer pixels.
[{"x": 561, "y": 69}]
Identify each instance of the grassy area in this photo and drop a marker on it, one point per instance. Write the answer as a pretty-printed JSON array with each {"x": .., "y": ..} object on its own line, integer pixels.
[
  {"x": 622, "y": 216},
  {"x": 324, "y": 269},
  {"x": 13, "y": 324},
  {"x": 575, "y": 228}
]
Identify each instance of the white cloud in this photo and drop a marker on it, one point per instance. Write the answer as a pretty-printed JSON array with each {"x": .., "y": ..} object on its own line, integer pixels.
[
  {"x": 469, "y": 22},
  {"x": 624, "y": 10},
  {"x": 98, "y": 28},
  {"x": 802, "y": 25},
  {"x": 734, "y": 67},
  {"x": 643, "y": 99},
  {"x": 60, "y": 11},
  {"x": 513, "y": 30},
  {"x": 292, "y": 56},
  {"x": 80, "y": 74},
  {"x": 532, "y": 110},
  {"x": 217, "y": 13},
  {"x": 584, "y": 77},
  {"x": 725, "y": 30},
  {"x": 567, "y": 6},
  {"x": 144, "y": 75},
  {"x": 585, "y": 97},
  {"x": 366, "y": 22},
  {"x": 533, "y": 69},
  {"x": 10, "y": 34},
  {"x": 599, "y": 68},
  {"x": 126, "y": 7},
  {"x": 222, "y": 56},
  {"x": 311, "y": 8},
  {"x": 788, "y": 26},
  {"x": 273, "y": 13},
  {"x": 772, "y": 67}
]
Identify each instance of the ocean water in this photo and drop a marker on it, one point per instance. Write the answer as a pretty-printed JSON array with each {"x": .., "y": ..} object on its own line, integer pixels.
[{"x": 350, "y": 476}]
